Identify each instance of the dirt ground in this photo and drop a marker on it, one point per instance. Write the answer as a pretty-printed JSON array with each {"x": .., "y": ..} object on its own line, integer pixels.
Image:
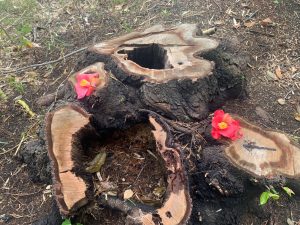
[{"x": 37, "y": 32}]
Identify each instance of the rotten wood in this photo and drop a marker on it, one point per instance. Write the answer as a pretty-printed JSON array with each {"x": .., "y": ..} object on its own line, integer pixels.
[
  {"x": 62, "y": 125},
  {"x": 177, "y": 205}
]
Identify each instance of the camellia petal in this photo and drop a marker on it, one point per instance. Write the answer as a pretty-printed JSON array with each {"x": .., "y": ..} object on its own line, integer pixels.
[
  {"x": 86, "y": 84},
  {"x": 216, "y": 120},
  {"x": 89, "y": 91},
  {"x": 219, "y": 112},
  {"x": 224, "y": 125},
  {"x": 215, "y": 134},
  {"x": 81, "y": 76},
  {"x": 81, "y": 91}
]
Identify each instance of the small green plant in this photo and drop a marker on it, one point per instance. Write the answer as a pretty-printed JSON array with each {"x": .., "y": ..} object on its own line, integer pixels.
[
  {"x": 68, "y": 222},
  {"x": 15, "y": 84},
  {"x": 273, "y": 194},
  {"x": 277, "y": 1},
  {"x": 266, "y": 195}
]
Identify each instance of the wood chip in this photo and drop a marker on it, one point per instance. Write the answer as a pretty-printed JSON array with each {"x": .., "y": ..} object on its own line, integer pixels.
[
  {"x": 128, "y": 194},
  {"x": 249, "y": 24},
  {"x": 281, "y": 101}
]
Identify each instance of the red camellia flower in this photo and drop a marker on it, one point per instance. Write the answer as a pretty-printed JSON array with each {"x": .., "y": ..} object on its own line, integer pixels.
[
  {"x": 86, "y": 83},
  {"x": 224, "y": 125}
]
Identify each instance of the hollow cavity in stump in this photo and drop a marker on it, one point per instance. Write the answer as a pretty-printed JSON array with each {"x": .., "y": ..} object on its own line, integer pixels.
[{"x": 73, "y": 142}]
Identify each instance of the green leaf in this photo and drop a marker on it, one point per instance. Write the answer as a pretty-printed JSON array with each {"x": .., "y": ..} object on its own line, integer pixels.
[
  {"x": 67, "y": 222},
  {"x": 289, "y": 191},
  {"x": 274, "y": 196},
  {"x": 264, "y": 197}
]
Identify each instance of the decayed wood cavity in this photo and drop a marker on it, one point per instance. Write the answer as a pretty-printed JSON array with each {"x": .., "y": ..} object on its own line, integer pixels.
[
  {"x": 161, "y": 54},
  {"x": 62, "y": 125},
  {"x": 177, "y": 206},
  {"x": 264, "y": 153}
]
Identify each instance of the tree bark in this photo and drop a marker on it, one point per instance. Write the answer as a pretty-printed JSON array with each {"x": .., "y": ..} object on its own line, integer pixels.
[{"x": 177, "y": 78}]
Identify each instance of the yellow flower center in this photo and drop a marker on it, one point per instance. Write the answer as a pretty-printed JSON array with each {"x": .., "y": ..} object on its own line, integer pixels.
[
  {"x": 84, "y": 83},
  {"x": 222, "y": 125}
]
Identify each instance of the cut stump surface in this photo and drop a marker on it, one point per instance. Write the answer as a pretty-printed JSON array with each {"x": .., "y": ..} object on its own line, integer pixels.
[{"x": 264, "y": 153}]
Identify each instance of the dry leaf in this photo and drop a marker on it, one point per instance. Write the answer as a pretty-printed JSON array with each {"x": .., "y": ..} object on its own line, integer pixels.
[
  {"x": 272, "y": 75},
  {"x": 249, "y": 24},
  {"x": 236, "y": 24},
  {"x": 128, "y": 194},
  {"x": 219, "y": 22},
  {"x": 281, "y": 101},
  {"x": 266, "y": 22},
  {"x": 278, "y": 72},
  {"x": 293, "y": 69}
]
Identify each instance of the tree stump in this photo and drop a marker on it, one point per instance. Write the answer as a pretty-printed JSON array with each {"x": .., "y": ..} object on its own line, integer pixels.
[{"x": 174, "y": 78}]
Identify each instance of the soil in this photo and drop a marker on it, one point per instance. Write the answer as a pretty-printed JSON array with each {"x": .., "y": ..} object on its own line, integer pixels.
[
  {"x": 132, "y": 163},
  {"x": 23, "y": 201}
]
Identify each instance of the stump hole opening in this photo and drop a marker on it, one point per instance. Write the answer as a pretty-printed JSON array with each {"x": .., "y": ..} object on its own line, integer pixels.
[{"x": 151, "y": 56}]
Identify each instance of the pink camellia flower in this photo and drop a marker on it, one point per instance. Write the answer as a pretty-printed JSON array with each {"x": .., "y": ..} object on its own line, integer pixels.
[
  {"x": 224, "y": 125},
  {"x": 86, "y": 83}
]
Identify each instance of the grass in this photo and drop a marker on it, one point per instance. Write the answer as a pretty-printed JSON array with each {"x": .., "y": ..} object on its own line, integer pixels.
[
  {"x": 15, "y": 84},
  {"x": 18, "y": 17}
]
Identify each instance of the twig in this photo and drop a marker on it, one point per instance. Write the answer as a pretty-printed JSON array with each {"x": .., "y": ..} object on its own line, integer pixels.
[
  {"x": 261, "y": 33},
  {"x": 217, "y": 4},
  {"x": 19, "y": 146},
  {"x": 44, "y": 63},
  {"x": 251, "y": 16}
]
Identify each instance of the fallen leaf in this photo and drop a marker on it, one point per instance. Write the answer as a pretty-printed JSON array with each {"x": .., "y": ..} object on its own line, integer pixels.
[
  {"x": 281, "y": 101},
  {"x": 159, "y": 191},
  {"x": 272, "y": 75},
  {"x": 96, "y": 164},
  {"x": 278, "y": 72},
  {"x": 266, "y": 22},
  {"x": 290, "y": 222},
  {"x": 249, "y": 24},
  {"x": 128, "y": 194},
  {"x": 25, "y": 107},
  {"x": 219, "y": 22},
  {"x": 263, "y": 114},
  {"x": 293, "y": 69},
  {"x": 236, "y": 24}
]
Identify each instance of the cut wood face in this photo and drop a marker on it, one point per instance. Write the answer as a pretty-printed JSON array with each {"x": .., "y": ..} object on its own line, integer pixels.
[
  {"x": 177, "y": 206},
  {"x": 62, "y": 125},
  {"x": 264, "y": 153},
  {"x": 161, "y": 54}
]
